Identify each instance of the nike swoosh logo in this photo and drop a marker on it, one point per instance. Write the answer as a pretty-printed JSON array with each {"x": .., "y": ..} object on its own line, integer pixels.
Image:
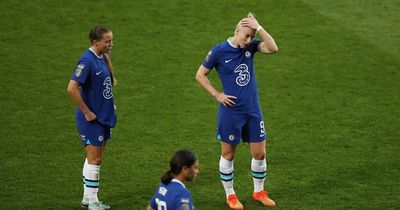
[
  {"x": 227, "y": 61},
  {"x": 262, "y": 135},
  {"x": 97, "y": 73}
]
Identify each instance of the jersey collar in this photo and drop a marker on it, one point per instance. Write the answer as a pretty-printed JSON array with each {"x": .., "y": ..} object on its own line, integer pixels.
[
  {"x": 99, "y": 57},
  {"x": 230, "y": 43},
  {"x": 177, "y": 181}
]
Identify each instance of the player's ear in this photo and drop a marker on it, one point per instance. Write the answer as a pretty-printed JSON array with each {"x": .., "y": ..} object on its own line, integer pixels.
[
  {"x": 95, "y": 42},
  {"x": 185, "y": 169}
]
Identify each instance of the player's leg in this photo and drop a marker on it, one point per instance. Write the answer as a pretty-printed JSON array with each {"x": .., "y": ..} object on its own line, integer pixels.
[
  {"x": 94, "y": 156},
  {"x": 255, "y": 134},
  {"x": 93, "y": 137},
  {"x": 226, "y": 172},
  {"x": 226, "y": 168},
  {"x": 258, "y": 165},
  {"x": 259, "y": 173},
  {"x": 229, "y": 130}
]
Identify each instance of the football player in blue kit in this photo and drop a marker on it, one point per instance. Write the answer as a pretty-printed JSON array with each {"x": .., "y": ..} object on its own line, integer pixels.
[
  {"x": 90, "y": 89},
  {"x": 172, "y": 194},
  {"x": 239, "y": 114}
]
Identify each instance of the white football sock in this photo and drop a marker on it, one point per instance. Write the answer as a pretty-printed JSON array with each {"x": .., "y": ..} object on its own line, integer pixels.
[
  {"x": 83, "y": 175},
  {"x": 259, "y": 172},
  {"x": 226, "y": 172},
  {"x": 91, "y": 174}
]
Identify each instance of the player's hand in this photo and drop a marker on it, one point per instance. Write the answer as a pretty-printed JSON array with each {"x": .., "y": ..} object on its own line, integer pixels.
[
  {"x": 249, "y": 22},
  {"x": 90, "y": 116},
  {"x": 225, "y": 100}
]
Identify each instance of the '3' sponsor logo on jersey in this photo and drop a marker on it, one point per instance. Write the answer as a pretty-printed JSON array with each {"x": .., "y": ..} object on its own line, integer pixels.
[
  {"x": 107, "y": 93},
  {"x": 243, "y": 77}
]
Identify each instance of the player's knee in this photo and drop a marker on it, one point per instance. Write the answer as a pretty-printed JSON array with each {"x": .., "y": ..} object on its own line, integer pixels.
[
  {"x": 98, "y": 161},
  {"x": 259, "y": 155},
  {"x": 228, "y": 155},
  {"x": 95, "y": 161}
]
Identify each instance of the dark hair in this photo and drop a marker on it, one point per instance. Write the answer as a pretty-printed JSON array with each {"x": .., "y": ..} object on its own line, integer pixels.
[
  {"x": 96, "y": 33},
  {"x": 180, "y": 159}
]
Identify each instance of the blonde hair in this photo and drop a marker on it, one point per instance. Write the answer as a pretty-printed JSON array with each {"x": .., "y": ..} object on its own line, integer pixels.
[{"x": 249, "y": 15}]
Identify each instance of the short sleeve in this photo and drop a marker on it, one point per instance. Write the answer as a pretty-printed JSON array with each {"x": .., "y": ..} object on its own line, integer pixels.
[
  {"x": 254, "y": 46},
  {"x": 82, "y": 71},
  {"x": 153, "y": 203},
  {"x": 211, "y": 60}
]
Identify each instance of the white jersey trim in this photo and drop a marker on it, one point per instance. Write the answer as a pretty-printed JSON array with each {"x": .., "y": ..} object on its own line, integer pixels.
[
  {"x": 99, "y": 57},
  {"x": 177, "y": 181},
  {"x": 230, "y": 43}
]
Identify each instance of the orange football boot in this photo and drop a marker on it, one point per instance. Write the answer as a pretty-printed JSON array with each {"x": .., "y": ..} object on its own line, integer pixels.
[
  {"x": 233, "y": 202},
  {"x": 263, "y": 198}
]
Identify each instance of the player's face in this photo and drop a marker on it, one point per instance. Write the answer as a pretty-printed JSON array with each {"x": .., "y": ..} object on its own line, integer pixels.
[
  {"x": 192, "y": 171},
  {"x": 105, "y": 44},
  {"x": 244, "y": 36}
]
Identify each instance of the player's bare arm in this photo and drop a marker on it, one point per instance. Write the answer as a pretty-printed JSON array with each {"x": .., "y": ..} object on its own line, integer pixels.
[
  {"x": 201, "y": 77},
  {"x": 268, "y": 45},
  {"x": 73, "y": 90}
]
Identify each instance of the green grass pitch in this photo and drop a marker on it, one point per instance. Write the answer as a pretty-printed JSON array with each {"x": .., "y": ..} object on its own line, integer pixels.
[{"x": 330, "y": 99}]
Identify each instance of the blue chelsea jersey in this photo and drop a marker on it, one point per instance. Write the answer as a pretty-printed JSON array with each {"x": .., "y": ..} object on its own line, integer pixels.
[
  {"x": 172, "y": 196},
  {"x": 95, "y": 87},
  {"x": 236, "y": 72}
]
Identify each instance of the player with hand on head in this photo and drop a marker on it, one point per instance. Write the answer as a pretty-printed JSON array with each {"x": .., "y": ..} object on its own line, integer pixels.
[
  {"x": 239, "y": 114},
  {"x": 172, "y": 194},
  {"x": 90, "y": 89}
]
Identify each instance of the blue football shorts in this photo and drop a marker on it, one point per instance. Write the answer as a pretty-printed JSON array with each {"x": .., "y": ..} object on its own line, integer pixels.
[
  {"x": 92, "y": 132},
  {"x": 232, "y": 127}
]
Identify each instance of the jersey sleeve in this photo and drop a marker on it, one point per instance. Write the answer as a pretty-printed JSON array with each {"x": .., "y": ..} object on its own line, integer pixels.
[
  {"x": 153, "y": 203},
  {"x": 82, "y": 71},
  {"x": 183, "y": 201},
  {"x": 254, "y": 46},
  {"x": 211, "y": 60}
]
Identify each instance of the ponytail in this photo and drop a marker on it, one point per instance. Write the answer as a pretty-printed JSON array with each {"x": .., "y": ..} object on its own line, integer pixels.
[
  {"x": 167, "y": 177},
  {"x": 110, "y": 68},
  {"x": 250, "y": 15}
]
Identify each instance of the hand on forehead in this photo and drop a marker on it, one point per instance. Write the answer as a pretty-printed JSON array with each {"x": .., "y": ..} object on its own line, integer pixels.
[
  {"x": 247, "y": 19},
  {"x": 249, "y": 22}
]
